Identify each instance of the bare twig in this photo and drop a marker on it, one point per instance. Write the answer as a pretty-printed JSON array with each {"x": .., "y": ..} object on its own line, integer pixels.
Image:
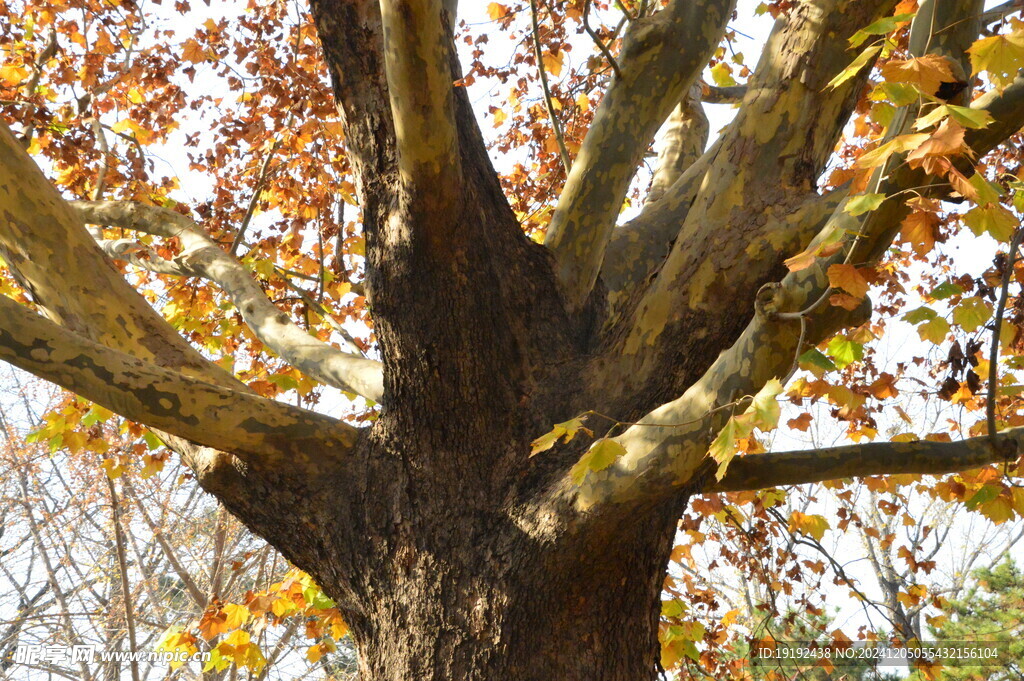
[
  {"x": 122, "y": 566},
  {"x": 597, "y": 40},
  {"x": 993, "y": 358},
  {"x": 556, "y": 126}
]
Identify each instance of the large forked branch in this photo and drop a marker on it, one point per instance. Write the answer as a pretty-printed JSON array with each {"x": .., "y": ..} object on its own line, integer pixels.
[
  {"x": 203, "y": 258},
  {"x": 660, "y": 58},
  {"x": 738, "y": 230},
  {"x": 263, "y": 433},
  {"x": 660, "y": 459},
  {"x": 417, "y": 57},
  {"x": 56, "y": 261},
  {"x": 685, "y": 135},
  {"x": 923, "y": 457}
]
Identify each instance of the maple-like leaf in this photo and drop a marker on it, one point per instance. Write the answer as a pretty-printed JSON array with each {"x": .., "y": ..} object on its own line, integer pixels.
[
  {"x": 601, "y": 454},
  {"x": 927, "y": 73},
  {"x": 920, "y": 230},
  {"x": 999, "y": 55},
  {"x": 848, "y": 278}
]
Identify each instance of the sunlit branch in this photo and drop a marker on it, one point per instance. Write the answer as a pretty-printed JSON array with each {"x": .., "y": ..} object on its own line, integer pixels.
[
  {"x": 660, "y": 57},
  {"x": 202, "y": 257},
  {"x": 922, "y": 457},
  {"x": 262, "y": 432},
  {"x": 417, "y": 48}
]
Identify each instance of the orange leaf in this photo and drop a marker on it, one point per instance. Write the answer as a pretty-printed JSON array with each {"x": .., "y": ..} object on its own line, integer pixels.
[
  {"x": 848, "y": 278},
  {"x": 920, "y": 229},
  {"x": 948, "y": 140},
  {"x": 927, "y": 72}
]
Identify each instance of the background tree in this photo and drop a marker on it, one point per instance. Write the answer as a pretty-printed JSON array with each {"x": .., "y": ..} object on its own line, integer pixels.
[
  {"x": 184, "y": 560},
  {"x": 990, "y": 611},
  {"x": 459, "y": 534}
]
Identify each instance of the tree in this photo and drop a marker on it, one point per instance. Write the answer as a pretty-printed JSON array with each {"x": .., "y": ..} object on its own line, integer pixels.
[
  {"x": 171, "y": 565},
  {"x": 989, "y": 612},
  {"x": 462, "y": 533}
]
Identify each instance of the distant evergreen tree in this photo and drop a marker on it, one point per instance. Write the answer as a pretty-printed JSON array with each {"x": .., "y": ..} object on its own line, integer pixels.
[{"x": 992, "y": 610}]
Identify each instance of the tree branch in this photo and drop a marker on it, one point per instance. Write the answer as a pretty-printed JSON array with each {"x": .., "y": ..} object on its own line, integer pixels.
[
  {"x": 263, "y": 433},
  {"x": 55, "y": 259},
  {"x": 417, "y": 55},
  {"x": 923, "y": 457},
  {"x": 660, "y": 58},
  {"x": 203, "y": 258},
  {"x": 713, "y": 94},
  {"x": 556, "y": 125},
  {"x": 660, "y": 459},
  {"x": 685, "y": 136},
  {"x": 771, "y": 157},
  {"x": 1000, "y": 12}
]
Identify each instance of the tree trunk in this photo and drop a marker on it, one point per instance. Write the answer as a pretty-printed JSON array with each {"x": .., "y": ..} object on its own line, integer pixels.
[{"x": 459, "y": 594}]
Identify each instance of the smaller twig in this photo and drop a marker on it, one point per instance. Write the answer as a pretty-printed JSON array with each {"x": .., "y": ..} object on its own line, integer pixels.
[
  {"x": 555, "y": 124},
  {"x": 37, "y": 74},
  {"x": 257, "y": 192},
  {"x": 597, "y": 40},
  {"x": 122, "y": 564},
  {"x": 1000, "y": 12},
  {"x": 993, "y": 357},
  {"x": 101, "y": 174}
]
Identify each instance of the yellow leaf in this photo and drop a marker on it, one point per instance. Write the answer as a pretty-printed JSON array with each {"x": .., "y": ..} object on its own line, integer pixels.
[
  {"x": 992, "y": 218},
  {"x": 497, "y": 11},
  {"x": 876, "y": 157},
  {"x": 601, "y": 454},
  {"x": 722, "y": 74},
  {"x": 811, "y": 525},
  {"x": 553, "y": 62},
  {"x": 862, "y": 60},
  {"x": 564, "y": 431},
  {"x": 1001, "y": 55},
  {"x": 235, "y": 615},
  {"x": 13, "y": 76}
]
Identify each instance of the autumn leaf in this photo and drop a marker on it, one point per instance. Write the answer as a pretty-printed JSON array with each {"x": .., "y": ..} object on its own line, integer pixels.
[
  {"x": 721, "y": 73},
  {"x": 878, "y": 156},
  {"x": 12, "y": 75},
  {"x": 927, "y": 73},
  {"x": 862, "y": 60},
  {"x": 848, "y": 278},
  {"x": 934, "y": 330},
  {"x": 972, "y": 313},
  {"x": 811, "y": 525},
  {"x": 1000, "y": 55},
  {"x": 864, "y": 203},
  {"x": 947, "y": 140},
  {"x": 920, "y": 230},
  {"x": 553, "y": 62},
  {"x": 801, "y": 422},
  {"x": 564, "y": 431},
  {"x": 601, "y": 454},
  {"x": 497, "y": 11},
  {"x": 992, "y": 219},
  {"x": 192, "y": 51},
  {"x": 845, "y": 351},
  {"x": 881, "y": 27}
]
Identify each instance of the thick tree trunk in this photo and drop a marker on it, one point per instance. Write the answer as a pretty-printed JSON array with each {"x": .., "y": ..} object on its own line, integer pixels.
[
  {"x": 446, "y": 593},
  {"x": 501, "y": 609}
]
